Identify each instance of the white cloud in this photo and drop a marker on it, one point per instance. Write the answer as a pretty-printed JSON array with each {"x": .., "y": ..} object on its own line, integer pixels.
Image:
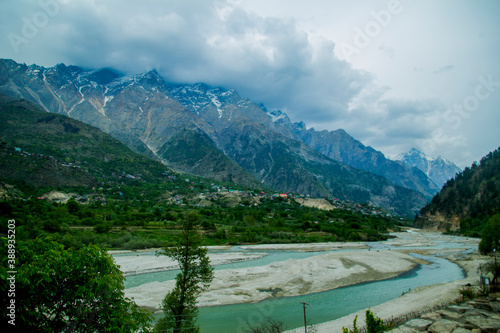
[{"x": 389, "y": 125}]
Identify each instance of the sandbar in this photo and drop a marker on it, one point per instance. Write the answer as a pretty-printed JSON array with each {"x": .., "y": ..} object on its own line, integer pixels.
[{"x": 292, "y": 277}]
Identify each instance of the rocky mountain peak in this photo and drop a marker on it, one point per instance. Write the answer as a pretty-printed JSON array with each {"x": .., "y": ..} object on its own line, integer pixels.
[
  {"x": 9, "y": 63},
  {"x": 278, "y": 116},
  {"x": 438, "y": 169},
  {"x": 207, "y": 101},
  {"x": 115, "y": 83},
  {"x": 300, "y": 126},
  {"x": 102, "y": 76}
]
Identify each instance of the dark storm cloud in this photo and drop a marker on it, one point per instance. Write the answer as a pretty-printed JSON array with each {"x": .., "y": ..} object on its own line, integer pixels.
[
  {"x": 266, "y": 59},
  {"x": 272, "y": 58}
]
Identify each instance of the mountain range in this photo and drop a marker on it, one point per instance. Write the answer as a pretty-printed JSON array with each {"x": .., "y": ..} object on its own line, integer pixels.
[{"x": 216, "y": 133}]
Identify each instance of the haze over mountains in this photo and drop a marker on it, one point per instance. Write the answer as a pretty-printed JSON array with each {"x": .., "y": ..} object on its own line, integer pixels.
[{"x": 216, "y": 133}]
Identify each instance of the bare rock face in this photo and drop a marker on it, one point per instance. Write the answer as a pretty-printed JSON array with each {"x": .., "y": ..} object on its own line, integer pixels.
[
  {"x": 438, "y": 169},
  {"x": 419, "y": 325},
  {"x": 443, "y": 325},
  {"x": 340, "y": 146}
]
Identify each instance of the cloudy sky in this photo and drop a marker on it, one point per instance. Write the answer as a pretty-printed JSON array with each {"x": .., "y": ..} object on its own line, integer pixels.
[{"x": 395, "y": 74}]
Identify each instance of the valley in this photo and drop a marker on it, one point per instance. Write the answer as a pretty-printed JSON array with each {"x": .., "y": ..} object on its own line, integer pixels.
[
  {"x": 286, "y": 212},
  {"x": 215, "y": 133},
  {"x": 250, "y": 166},
  {"x": 269, "y": 285}
]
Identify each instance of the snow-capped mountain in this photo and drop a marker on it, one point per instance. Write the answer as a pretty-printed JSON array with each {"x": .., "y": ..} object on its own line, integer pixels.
[
  {"x": 208, "y": 131},
  {"x": 342, "y": 147},
  {"x": 438, "y": 168}
]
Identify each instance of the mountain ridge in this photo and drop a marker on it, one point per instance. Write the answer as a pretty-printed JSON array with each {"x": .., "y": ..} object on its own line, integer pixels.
[
  {"x": 438, "y": 169},
  {"x": 45, "y": 149},
  {"x": 145, "y": 112},
  {"x": 340, "y": 146}
]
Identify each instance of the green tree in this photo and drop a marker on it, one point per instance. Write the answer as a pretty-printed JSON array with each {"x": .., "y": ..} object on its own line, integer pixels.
[
  {"x": 102, "y": 228},
  {"x": 354, "y": 327},
  {"x": 249, "y": 220},
  {"x": 196, "y": 274},
  {"x": 73, "y": 206},
  {"x": 60, "y": 290},
  {"x": 491, "y": 235},
  {"x": 491, "y": 267},
  {"x": 373, "y": 324}
]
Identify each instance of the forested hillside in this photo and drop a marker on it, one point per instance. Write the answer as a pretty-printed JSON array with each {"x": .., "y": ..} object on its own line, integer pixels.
[
  {"x": 68, "y": 180},
  {"x": 45, "y": 149},
  {"x": 467, "y": 201}
]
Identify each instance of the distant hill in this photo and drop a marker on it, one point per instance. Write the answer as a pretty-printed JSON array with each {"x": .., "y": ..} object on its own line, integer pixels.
[
  {"x": 468, "y": 200},
  {"x": 45, "y": 149}
]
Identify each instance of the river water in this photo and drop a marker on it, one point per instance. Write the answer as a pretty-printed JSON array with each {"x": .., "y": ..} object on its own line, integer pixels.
[{"x": 323, "y": 306}]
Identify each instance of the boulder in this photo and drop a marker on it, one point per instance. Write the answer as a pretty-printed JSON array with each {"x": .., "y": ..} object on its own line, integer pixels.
[
  {"x": 420, "y": 325},
  {"x": 443, "y": 326}
]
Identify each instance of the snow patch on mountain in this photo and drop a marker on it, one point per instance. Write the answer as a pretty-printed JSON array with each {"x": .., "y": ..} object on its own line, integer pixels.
[
  {"x": 277, "y": 116},
  {"x": 216, "y": 102},
  {"x": 438, "y": 169},
  {"x": 106, "y": 100}
]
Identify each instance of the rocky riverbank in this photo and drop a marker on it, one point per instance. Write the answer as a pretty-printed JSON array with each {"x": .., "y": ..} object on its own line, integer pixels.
[{"x": 480, "y": 315}]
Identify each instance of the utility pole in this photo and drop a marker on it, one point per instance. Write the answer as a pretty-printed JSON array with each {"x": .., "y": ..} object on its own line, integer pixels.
[{"x": 305, "y": 320}]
